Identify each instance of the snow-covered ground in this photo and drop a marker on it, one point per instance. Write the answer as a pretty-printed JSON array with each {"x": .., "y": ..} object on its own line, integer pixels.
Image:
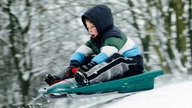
[
  {"x": 170, "y": 92},
  {"x": 172, "y": 96}
]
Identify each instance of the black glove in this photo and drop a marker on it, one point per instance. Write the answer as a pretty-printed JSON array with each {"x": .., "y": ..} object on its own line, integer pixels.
[
  {"x": 74, "y": 63},
  {"x": 87, "y": 67},
  {"x": 52, "y": 79},
  {"x": 70, "y": 72}
]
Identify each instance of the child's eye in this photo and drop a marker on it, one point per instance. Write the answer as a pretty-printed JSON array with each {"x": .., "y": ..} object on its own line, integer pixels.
[{"x": 92, "y": 26}]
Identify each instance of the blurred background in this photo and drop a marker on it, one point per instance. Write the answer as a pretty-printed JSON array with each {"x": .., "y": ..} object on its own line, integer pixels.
[{"x": 38, "y": 37}]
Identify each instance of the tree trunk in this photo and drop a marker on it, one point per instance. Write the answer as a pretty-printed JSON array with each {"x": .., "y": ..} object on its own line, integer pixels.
[
  {"x": 19, "y": 52},
  {"x": 190, "y": 31}
]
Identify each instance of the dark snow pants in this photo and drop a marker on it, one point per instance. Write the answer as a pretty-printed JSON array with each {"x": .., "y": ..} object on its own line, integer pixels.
[{"x": 116, "y": 67}]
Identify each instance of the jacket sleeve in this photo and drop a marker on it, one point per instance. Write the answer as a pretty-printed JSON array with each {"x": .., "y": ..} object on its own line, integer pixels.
[
  {"x": 81, "y": 53},
  {"x": 111, "y": 46}
]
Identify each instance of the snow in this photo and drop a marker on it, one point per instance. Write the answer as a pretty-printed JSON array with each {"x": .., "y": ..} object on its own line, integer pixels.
[
  {"x": 26, "y": 75},
  {"x": 170, "y": 91},
  {"x": 172, "y": 96}
]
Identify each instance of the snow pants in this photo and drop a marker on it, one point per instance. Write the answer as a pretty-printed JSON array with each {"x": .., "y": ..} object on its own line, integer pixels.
[{"x": 116, "y": 67}]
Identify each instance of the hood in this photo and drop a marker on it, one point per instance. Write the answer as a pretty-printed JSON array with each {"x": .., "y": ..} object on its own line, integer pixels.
[{"x": 101, "y": 16}]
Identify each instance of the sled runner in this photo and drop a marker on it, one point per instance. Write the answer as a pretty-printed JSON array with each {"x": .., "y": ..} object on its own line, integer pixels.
[{"x": 140, "y": 82}]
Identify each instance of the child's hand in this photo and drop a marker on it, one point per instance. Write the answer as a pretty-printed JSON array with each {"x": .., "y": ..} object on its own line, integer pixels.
[{"x": 70, "y": 72}]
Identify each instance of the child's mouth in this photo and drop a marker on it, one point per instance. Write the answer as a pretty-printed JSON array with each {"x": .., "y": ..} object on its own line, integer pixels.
[{"x": 92, "y": 35}]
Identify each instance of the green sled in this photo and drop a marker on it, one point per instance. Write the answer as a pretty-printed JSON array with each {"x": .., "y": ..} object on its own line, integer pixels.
[{"x": 140, "y": 82}]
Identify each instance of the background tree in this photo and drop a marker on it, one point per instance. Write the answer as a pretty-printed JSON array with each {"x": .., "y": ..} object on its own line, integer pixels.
[{"x": 189, "y": 22}]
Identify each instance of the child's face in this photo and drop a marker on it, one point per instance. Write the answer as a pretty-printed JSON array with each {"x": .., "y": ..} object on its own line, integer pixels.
[{"x": 91, "y": 28}]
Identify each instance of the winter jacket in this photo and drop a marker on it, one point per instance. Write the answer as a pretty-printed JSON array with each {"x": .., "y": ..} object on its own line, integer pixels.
[{"x": 110, "y": 39}]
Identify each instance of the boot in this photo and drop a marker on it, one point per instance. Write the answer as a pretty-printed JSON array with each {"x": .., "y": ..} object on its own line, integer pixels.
[{"x": 81, "y": 78}]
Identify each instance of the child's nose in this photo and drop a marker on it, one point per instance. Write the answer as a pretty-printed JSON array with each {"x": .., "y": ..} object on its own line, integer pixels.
[{"x": 89, "y": 30}]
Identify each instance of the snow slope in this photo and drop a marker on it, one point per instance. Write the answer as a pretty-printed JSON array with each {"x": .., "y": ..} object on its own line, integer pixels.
[
  {"x": 172, "y": 96},
  {"x": 170, "y": 92}
]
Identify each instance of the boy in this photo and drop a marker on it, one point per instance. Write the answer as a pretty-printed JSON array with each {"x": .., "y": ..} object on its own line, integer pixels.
[{"x": 108, "y": 55}]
